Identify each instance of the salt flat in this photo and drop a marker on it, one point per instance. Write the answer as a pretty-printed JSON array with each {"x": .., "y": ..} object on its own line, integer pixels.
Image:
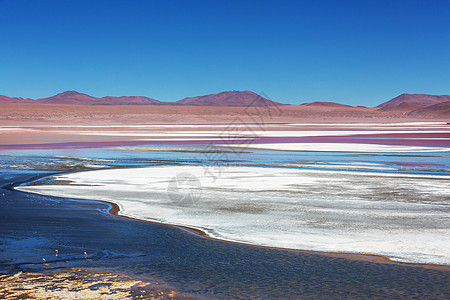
[{"x": 402, "y": 216}]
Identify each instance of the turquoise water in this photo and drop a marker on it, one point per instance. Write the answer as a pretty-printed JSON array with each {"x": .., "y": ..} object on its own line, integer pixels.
[{"x": 437, "y": 163}]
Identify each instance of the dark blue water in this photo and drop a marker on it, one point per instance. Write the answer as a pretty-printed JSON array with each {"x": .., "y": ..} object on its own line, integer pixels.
[{"x": 33, "y": 226}]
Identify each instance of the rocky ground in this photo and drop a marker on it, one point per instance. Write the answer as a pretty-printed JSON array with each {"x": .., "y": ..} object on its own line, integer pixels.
[{"x": 81, "y": 284}]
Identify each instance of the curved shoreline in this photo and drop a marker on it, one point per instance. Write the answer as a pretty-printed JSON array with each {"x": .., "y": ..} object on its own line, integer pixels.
[{"x": 374, "y": 258}]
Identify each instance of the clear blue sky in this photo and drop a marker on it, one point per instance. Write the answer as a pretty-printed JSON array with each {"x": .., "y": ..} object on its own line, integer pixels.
[{"x": 353, "y": 52}]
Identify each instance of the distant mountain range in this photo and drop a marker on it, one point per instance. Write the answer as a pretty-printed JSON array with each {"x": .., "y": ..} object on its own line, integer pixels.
[
  {"x": 229, "y": 98},
  {"x": 403, "y": 104},
  {"x": 75, "y": 98}
]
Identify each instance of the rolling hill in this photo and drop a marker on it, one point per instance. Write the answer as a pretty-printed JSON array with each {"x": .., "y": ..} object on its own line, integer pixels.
[
  {"x": 229, "y": 98},
  {"x": 420, "y": 100}
]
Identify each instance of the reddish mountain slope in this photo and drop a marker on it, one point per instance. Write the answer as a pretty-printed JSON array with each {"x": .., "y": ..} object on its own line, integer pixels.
[
  {"x": 69, "y": 97},
  {"x": 441, "y": 109},
  {"x": 230, "y": 98},
  {"x": 421, "y": 100},
  {"x": 402, "y": 107}
]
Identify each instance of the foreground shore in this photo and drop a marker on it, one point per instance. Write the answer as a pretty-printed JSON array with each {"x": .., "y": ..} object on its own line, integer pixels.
[{"x": 82, "y": 284}]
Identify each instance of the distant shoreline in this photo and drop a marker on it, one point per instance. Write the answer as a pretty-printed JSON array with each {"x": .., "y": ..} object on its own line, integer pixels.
[{"x": 59, "y": 114}]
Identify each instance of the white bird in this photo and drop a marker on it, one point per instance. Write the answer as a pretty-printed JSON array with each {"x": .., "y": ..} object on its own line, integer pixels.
[
  {"x": 56, "y": 252},
  {"x": 44, "y": 260}
]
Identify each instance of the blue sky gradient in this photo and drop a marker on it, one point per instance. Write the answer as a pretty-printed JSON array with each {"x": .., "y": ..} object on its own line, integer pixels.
[{"x": 352, "y": 52}]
